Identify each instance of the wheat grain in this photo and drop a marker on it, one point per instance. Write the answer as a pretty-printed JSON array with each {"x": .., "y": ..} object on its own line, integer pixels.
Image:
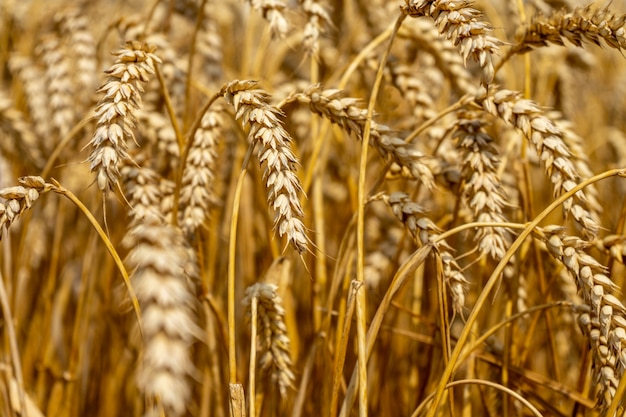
[
  {"x": 416, "y": 91},
  {"x": 210, "y": 47},
  {"x": 34, "y": 82},
  {"x": 317, "y": 20},
  {"x": 82, "y": 47},
  {"x": 579, "y": 25},
  {"x": 60, "y": 86},
  {"x": 196, "y": 192},
  {"x": 481, "y": 187},
  {"x": 162, "y": 266},
  {"x": 272, "y": 11},
  {"x": 20, "y": 142}
]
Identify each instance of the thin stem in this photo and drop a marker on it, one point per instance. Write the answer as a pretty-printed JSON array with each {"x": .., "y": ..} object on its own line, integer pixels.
[
  {"x": 63, "y": 143},
  {"x": 361, "y": 315},
  {"x": 252, "y": 365},
  {"x": 462, "y": 102},
  {"x": 500, "y": 387},
  {"x": 192, "y": 55},
  {"x": 340, "y": 354},
  {"x": 404, "y": 272},
  {"x": 170, "y": 108},
  {"x": 232, "y": 254},
  {"x": 15, "y": 352}
]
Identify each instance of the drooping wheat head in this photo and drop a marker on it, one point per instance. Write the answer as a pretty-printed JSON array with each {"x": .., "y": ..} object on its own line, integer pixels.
[
  {"x": 462, "y": 24},
  {"x": 281, "y": 181}
]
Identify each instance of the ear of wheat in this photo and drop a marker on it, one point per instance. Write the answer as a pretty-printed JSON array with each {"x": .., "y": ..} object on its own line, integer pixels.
[
  {"x": 281, "y": 181},
  {"x": 273, "y": 340},
  {"x": 116, "y": 112},
  {"x": 461, "y": 24}
]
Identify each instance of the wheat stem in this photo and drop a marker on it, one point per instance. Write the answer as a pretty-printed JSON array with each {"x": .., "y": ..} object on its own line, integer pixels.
[
  {"x": 500, "y": 387},
  {"x": 232, "y": 255},
  {"x": 361, "y": 315},
  {"x": 13, "y": 346},
  {"x": 254, "y": 303}
]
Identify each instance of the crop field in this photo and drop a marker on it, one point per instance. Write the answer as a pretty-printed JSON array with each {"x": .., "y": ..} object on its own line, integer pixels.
[{"x": 312, "y": 208}]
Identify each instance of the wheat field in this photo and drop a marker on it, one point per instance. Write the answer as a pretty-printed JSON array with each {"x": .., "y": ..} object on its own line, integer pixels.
[{"x": 312, "y": 208}]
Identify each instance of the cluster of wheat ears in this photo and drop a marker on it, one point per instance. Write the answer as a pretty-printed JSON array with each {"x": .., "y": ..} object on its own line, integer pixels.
[{"x": 312, "y": 208}]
